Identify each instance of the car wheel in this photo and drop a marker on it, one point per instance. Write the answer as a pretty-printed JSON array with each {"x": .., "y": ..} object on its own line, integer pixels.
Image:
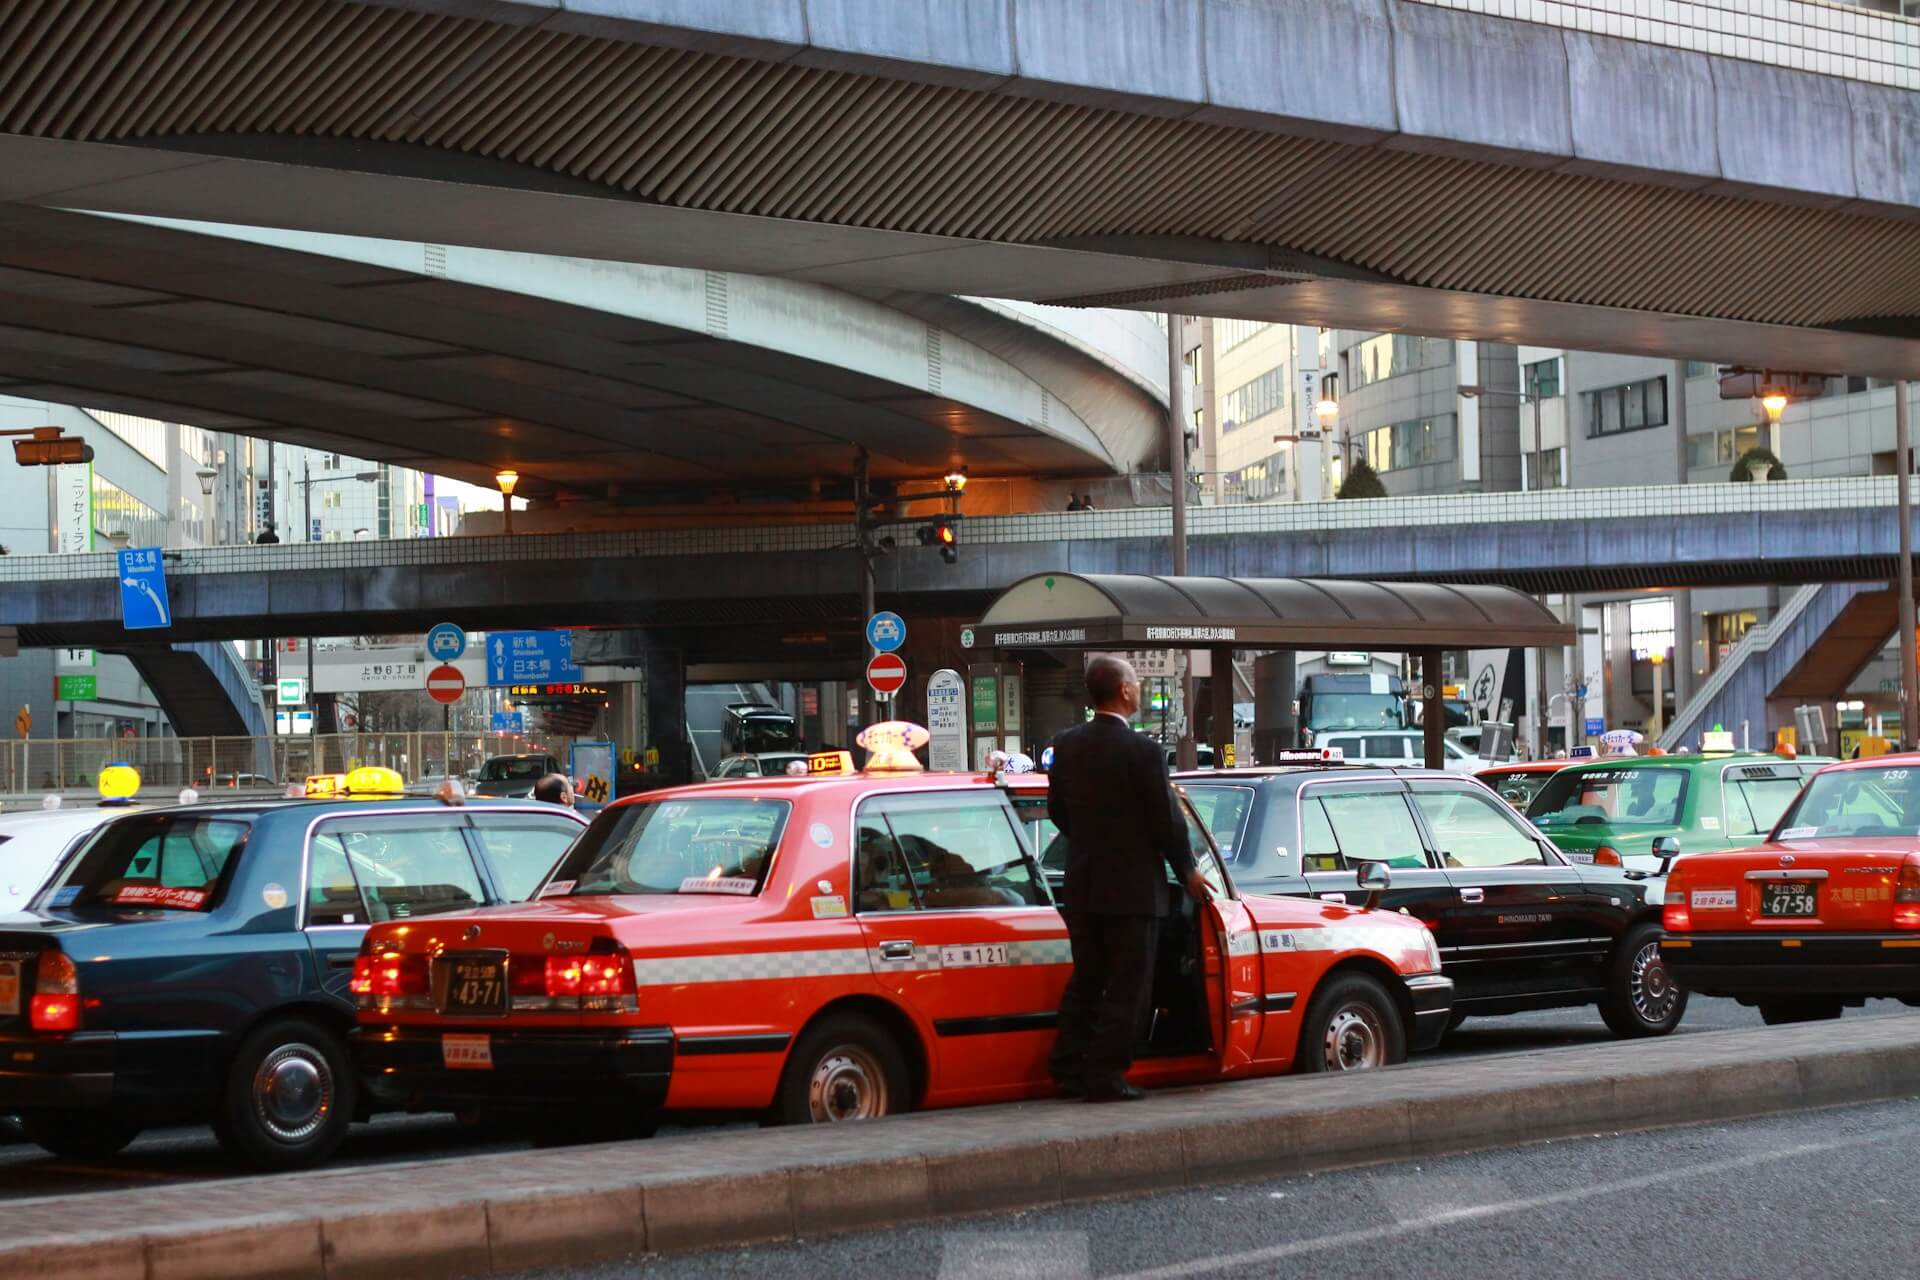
[
  {"x": 1641, "y": 999},
  {"x": 79, "y": 1135},
  {"x": 289, "y": 1096},
  {"x": 844, "y": 1068},
  {"x": 1778, "y": 1013},
  {"x": 1352, "y": 1025}
]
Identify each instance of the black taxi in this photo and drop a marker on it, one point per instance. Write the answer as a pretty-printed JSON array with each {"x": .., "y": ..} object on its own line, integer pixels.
[{"x": 1520, "y": 926}]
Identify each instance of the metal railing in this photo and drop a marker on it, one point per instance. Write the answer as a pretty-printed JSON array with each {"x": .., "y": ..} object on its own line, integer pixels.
[{"x": 39, "y": 765}]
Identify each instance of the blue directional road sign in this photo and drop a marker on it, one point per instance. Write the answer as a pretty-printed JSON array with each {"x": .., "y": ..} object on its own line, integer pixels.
[
  {"x": 531, "y": 657},
  {"x": 509, "y": 722},
  {"x": 886, "y": 631},
  {"x": 143, "y": 590},
  {"x": 446, "y": 642}
]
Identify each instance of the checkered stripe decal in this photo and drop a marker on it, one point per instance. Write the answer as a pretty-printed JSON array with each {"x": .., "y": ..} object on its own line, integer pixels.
[
  {"x": 1040, "y": 951},
  {"x": 1043, "y": 951},
  {"x": 1342, "y": 938},
  {"x": 749, "y": 966},
  {"x": 1243, "y": 944}
]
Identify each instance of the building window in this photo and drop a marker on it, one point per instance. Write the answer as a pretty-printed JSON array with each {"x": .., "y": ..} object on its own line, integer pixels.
[
  {"x": 1543, "y": 379},
  {"x": 1228, "y": 334},
  {"x": 117, "y": 511},
  {"x": 1628, "y": 408},
  {"x": 1722, "y": 447},
  {"x": 1389, "y": 355},
  {"x": 1543, "y": 469},
  {"x": 1649, "y": 632},
  {"x": 1411, "y": 444},
  {"x": 1265, "y": 394},
  {"x": 1265, "y": 479},
  {"x": 1702, "y": 369}
]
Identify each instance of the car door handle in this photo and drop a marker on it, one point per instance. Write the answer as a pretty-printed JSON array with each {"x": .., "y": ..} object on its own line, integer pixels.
[
  {"x": 1473, "y": 895},
  {"x": 896, "y": 951},
  {"x": 1333, "y": 897},
  {"x": 340, "y": 962}
]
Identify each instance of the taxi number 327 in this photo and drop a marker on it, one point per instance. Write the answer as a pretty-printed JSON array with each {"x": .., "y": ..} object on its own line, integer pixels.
[{"x": 974, "y": 957}]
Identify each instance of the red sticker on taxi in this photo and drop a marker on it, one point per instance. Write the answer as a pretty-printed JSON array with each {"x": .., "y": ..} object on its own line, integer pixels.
[{"x": 159, "y": 895}]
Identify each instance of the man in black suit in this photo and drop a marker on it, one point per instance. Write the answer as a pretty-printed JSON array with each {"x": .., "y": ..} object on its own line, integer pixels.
[{"x": 1110, "y": 797}]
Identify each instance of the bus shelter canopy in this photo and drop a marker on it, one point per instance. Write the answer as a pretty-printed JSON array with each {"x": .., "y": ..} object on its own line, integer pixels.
[{"x": 1143, "y": 611}]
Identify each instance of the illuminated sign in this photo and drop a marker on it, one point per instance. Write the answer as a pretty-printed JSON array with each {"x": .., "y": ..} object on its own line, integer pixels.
[{"x": 555, "y": 691}]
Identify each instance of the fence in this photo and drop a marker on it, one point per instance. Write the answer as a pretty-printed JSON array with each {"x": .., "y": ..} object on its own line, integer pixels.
[{"x": 50, "y": 764}]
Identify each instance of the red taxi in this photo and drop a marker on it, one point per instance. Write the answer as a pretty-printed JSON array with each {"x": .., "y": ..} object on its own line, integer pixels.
[
  {"x": 1824, "y": 914},
  {"x": 826, "y": 948}
]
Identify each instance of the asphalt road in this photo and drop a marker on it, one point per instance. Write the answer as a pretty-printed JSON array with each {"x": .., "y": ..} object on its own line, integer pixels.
[
  {"x": 190, "y": 1154},
  {"x": 1823, "y": 1193}
]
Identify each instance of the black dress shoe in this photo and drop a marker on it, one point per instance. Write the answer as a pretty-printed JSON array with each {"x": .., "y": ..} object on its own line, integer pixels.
[
  {"x": 1119, "y": 1091},
  {"x": 1070, "y": 1088}
]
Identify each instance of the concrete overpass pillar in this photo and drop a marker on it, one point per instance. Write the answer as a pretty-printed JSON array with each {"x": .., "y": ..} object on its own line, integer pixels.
[
  {"x": 1220, "y": 685},
  {"x": 1274, "y": 726},
  {"x": 666, "y": 721}
]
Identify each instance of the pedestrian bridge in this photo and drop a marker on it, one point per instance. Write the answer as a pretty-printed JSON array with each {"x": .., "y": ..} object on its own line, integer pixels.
[
  {"x": 1630, "y": 175},
  {"x": 774, "y": 590}
]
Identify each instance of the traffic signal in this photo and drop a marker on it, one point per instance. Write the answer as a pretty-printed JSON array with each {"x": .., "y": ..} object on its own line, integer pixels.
[
  {"x": 47, "y": 450},
  {"x": 942, "y": 531}
]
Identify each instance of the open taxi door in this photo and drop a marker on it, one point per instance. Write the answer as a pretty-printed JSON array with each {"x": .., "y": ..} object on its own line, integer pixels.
[{"x": 1229, "y": 953}]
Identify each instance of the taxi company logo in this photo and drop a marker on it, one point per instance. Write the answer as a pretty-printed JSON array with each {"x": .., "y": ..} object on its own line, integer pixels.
[
  {"x": 473, "y": 931},
  {"x": 552, "y": 943},
  {"x": 1786, "y": 859},
  {"x": 1870, "y": 871}
]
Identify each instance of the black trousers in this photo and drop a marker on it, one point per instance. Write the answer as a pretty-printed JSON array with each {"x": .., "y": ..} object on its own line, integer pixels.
[{"x": 1105, "y": 1004}]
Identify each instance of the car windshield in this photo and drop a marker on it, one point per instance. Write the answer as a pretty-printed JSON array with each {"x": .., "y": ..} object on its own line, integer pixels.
[
  {"x": 1355, "y": 711},
  {"x": 775, "y": 765},
  {"x": 1618, "y": 797},
  {"x": 157, "y": 863},
  {"x": 675, "y": 846},
  {"x": 1518, "y": 789},
  {"x": 1855, "y": 802},
  {"x": 514, "y": 769},
  {"x": 769, "y": 733}
]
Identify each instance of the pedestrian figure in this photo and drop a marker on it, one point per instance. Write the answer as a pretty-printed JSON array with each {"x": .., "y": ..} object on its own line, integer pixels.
[
  {"x": 1086, "y": 502},
  {"x": 1111, "y": 798},
  {"x": 267, "y": 535},
  {"x": 1073, "y": 503},
  {"x": 554, "y": 789}
]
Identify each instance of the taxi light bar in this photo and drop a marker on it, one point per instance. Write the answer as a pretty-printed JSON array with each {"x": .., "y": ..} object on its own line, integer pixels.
[
  {"x": 1319, "y": 755},
  {"x": 56, "y": 995}
]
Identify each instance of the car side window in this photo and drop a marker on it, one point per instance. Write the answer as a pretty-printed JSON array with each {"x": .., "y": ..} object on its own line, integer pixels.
[
  {"x": 333, "y": 895},
  {"x": 955, "y": 851},
  {"x": 521, "y": 849},
  {"x": 1372, "y": 826},
  {"x": 407, "y": 867},
  {"x": 1755, "y": 804},
  {"x": 1471, "y": 831},
  {"x": 1319, "y": 851}
]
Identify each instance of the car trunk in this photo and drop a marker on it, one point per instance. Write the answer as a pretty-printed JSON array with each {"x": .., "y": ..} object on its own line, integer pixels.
[
  {"x": 23, "y": 941},
  {"x": 1801, "y": 886}
]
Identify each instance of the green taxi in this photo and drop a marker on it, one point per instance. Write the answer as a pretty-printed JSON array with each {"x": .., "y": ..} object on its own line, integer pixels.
[{"x": 1612, "y": 809}]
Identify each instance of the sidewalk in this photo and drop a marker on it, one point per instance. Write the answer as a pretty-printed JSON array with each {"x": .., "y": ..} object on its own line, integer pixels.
[{"x": 472, "y": 1215}]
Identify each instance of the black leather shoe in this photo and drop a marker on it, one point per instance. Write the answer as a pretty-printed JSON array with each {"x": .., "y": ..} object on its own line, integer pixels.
[
  {"x": 1070, "y": 1088},
  {"x": 1120, "y": 1091}
]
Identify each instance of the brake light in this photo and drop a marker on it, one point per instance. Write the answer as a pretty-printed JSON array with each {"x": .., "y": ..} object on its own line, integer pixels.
[
  {"x": 1607, "y": 856},
  {"x": 387, "y": 975},
  {"x": 595, "y": 975},
  {"x": 56, "y": 994},
  {"x": 1906, "y": 894},
  {"x": 1675, "y": 916}
]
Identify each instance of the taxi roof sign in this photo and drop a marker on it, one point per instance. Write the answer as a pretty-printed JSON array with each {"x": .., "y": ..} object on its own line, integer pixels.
[
  {"x": 118, "y": 783},
  {"x": 325, "y": 784},
  {"x": 1321, "y": 755},
  {"x": 826, "y": 764},
  {"x": 890, "y": 746},
  {"x": 374, "y": 780}
]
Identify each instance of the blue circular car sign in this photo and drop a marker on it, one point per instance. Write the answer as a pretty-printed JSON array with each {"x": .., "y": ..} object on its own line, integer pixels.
[
  {"x": 446, "y": 642},
  {"x": 886, "y": 631}
]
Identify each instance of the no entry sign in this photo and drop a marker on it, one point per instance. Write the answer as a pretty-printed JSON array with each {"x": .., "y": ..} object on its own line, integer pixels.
[
  {"x": 887, "y": 674},
  {"x": 445, "y": 683}
]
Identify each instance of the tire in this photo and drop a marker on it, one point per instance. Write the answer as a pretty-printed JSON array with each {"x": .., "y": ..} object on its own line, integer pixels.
[
  {"x": 79, "y": 1135},
  {"x": 1352, "y": 1025},
  {"x": 289, "y": 1096},
  {"x": 1779, "y": 1013},
  {"x": 1641, "y": 998},
  {"x": 844, "y": 1068}
]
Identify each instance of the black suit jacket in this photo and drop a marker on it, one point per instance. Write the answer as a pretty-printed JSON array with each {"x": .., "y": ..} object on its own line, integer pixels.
[{"x": 1110, "y": 797}]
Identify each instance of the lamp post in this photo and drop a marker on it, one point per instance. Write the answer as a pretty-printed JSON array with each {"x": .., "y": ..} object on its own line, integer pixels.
[
  {"x": 1186, "y": 755},
  {"x": 506, "y": 480},
  {"x": 1903, "y": 490},
  {"x": 306, "y": 483}
]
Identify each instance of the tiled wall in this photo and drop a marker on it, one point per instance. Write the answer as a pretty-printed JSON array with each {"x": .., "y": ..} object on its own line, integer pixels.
[{"x": 1808, "y": 35}]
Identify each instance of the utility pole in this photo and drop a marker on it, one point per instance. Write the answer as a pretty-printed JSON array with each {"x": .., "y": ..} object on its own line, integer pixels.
[
  {"x": 863, "y": 533},
  {"x": 1185, "y": 754},
  {"x": 1903, "y": 470}
]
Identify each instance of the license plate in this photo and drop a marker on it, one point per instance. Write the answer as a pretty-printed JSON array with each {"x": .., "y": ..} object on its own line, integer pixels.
[
  {"x": 9, "y": 986},
  {"x": 467, "y": 1053},
  {"x": 1787, "y": 898},
  {"x": 476, "y": 985}
]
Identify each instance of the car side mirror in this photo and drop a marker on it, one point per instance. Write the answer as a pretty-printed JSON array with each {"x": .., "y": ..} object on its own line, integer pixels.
[
  {"x": 1666, "y": 848},
  {"x": 1374, "y": 878}
]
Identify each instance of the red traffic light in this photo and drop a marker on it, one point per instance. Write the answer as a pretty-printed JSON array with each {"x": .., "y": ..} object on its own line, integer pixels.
[{"x": 943, "y": 532}]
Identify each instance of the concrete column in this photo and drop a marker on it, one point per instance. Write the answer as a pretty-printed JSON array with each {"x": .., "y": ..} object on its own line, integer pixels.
[
  {"x": 1274, "y": 727},
  {"x": 666, "y": 671},
  {"x": 1433, "y": 715},
  {"x": 1221, "y": 686}
]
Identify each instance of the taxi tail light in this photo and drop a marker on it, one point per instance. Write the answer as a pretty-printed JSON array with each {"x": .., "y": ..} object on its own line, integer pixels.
[
  {"x": 1676, "y": 917},
  {"x": 1607, "y": 856},
  {"x": 388, "y": 975},
  {"x": 56, "y": 994},
  {"x": 1906, "y": 894},
  {"x": 588, "y": 975}
]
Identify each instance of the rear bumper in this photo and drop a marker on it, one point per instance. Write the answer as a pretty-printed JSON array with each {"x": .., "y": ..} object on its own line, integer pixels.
[
  {"x": 405, "y": 1066},
  {"x": 1841, "y": 964},
  {"x": 1432, "y": 995},
  {"x": 95, "y": 1070}
]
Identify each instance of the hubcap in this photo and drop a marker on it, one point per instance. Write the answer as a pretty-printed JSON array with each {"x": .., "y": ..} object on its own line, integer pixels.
[
  {"x": 293, "y": 1092},
  {"x": 847, "y": 1084},
  {"x": 1355, "y": 1040},
  {"x": 1651, "y": 986}
]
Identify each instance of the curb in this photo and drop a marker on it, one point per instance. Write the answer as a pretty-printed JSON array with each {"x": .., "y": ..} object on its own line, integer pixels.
[{"x": 524, "y": 1210}]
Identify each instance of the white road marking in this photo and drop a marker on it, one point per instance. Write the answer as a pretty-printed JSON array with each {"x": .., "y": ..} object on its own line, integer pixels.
[
  {"x": 1015, "y": 1255},
  {"x": 1476, "y": 1213},
  {"x": 1419, "y": 1197}
]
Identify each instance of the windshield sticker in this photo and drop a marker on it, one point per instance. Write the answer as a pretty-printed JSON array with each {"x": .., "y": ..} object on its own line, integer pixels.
[
  {"x": 557, "y": 888},
  {"x": 275, "y": 896},
  {"x": 1715, "y": 900},
  {"x": 744, "y": 886},
  {"x": 65, "y": 897},
  {"x": 829, "y": 906},
  {"x": 1578, "y": 855},
  {"x": 1894, "y": 775},
  {"x": 1709, "y": 822},
  {"x": 159, "y": 895},
  {"x": 821, "y": 834},
  {"x": 974, "y": 957},
  {"x": 1799, "y": 833}
]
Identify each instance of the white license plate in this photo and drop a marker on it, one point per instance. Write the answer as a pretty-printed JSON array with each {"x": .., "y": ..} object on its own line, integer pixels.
[
  {"x": 467, "y": 1053},
  {"x": 9, "y": 986},
  {"x": 1715, "y": 899}
]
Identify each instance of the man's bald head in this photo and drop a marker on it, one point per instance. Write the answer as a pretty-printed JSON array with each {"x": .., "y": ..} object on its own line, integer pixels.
[{"x": 1112, "y": 685}]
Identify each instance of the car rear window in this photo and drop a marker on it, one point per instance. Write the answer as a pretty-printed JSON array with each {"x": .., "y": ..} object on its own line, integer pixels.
[
  {"x": 1855, "y": 803},
  {"x": 1619, "y": 797},
  {"x": 1223, "y": 812},
  {"x": 513, "y": 770},
  {"x": 152, "y": 863},
  {"x": 709, "y": 845}
]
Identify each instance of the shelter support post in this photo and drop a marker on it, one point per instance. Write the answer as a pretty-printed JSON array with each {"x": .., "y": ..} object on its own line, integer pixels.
[
  {"x": 1433, "y": 712},
  {"x": 1221, "y": 688}
]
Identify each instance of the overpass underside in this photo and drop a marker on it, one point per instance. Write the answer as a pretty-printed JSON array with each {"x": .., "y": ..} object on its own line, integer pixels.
[{"x": 1355, "y": 163}]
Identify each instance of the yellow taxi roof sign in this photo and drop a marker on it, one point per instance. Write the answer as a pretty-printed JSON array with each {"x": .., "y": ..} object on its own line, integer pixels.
[
  {"x": 829, "y": 764},
  {"x": 119, "y": 782},
  {"x": 374, "y": 780},
  {"x": 325, "y": 784}
]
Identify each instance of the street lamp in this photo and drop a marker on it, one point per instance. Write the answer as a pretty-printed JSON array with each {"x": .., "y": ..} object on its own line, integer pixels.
[
  {"x": 207, "y": 476},
  {"x": 1469, "y": 391},
  {"x": 956, "y": 481},
  {"x": 306, "y": 483},
  {"x": 506, "y": 480}
]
